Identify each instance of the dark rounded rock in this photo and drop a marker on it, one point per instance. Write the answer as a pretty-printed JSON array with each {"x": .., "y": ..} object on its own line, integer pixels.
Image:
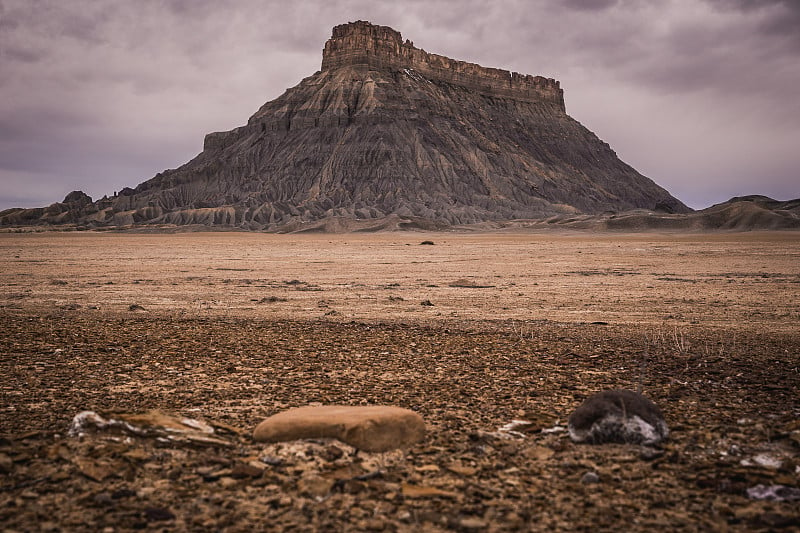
[
  {"x": 158, "y": 514},
  {"x": 621, "y": 416}
]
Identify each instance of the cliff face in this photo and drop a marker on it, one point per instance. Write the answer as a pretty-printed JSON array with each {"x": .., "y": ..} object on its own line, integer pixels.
[
  {"x": 382, "y": 48},
  {"x": 388, "y": 130}
]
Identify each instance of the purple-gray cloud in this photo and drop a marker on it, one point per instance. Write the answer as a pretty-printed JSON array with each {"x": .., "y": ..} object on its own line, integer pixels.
[{"x": 699, "y": 95}]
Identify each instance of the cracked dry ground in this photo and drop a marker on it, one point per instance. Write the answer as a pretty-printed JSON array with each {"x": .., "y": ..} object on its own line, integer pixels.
[{"x": 725, "y": 406}]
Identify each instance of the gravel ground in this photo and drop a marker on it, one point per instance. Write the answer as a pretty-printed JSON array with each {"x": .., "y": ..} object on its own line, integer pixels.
[
  {"x": 520, "y": 328},
  {"x": 733, "y": 413}
]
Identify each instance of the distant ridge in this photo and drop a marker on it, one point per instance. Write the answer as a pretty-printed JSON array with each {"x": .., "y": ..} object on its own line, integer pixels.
[
  {"x": 385, "y": 135},
  {"x": 745, "y": 213}
]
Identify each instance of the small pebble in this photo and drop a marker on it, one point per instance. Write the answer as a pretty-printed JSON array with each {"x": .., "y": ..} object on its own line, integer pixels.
[
  {"x": 589, "y": 478},
  {"x": 271, "y": 461},
  {"x": 6, "y": 464},
  {"x": 472, "y": 523},
  {"x": 228, "y": 482},
  {"x": 648, "y": 454},
  {"x": 103, "y": 498},
  {"x": 157, "y": 514}
]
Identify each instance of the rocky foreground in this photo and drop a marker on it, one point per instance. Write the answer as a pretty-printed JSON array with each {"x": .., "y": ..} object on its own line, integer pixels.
[{"x": 729, "y": 395}]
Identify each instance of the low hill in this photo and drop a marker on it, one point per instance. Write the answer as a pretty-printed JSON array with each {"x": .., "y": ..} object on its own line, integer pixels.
[{"x": 747, "y": 213}]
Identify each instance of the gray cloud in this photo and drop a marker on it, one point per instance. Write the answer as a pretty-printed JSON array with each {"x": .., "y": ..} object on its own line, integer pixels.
[
  {"x": 590, "y": 5},
  {"x": 98, "y": 95}
]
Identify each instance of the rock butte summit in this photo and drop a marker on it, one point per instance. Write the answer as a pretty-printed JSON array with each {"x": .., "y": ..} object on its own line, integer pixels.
[
  {"x": 385, "y": 135},
  {"x": 382, "y": 48}
]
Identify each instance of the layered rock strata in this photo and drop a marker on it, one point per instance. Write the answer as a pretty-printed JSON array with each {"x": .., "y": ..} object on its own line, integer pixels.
[
  {"x": 382, "y": 48},
  {"x": 387, "y": 131}
]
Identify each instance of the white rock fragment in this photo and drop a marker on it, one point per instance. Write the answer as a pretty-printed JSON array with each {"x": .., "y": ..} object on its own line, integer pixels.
[
  {"x": 163, "y": 427},
  {"x": 776, "y": 493},
  {"x": 511, "y": 427},
  {"x": 763, "y": 459}
]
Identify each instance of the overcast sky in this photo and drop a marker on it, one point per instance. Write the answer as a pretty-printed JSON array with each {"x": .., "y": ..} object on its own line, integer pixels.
[{"x": 702, "y": 96}]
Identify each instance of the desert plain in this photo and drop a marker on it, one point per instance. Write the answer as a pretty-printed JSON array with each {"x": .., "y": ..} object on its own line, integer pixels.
[{"x": 471, "y": 331}]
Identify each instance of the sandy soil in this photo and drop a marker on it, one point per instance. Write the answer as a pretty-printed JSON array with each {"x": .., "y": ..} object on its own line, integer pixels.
[
  {"x": 678, "y": 280},
  {"x": 472, "y": 332}
]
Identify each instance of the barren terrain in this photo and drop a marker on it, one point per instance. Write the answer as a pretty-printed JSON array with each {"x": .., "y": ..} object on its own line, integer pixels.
[{"x": 471, "y": 331}]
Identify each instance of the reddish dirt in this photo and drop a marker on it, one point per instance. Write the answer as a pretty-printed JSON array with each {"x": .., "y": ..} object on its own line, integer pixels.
[{"x": 234, "y": 327}]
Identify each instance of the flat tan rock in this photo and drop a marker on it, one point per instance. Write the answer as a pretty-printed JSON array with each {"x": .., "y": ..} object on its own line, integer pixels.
[{"x": 369, "y": 428}]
